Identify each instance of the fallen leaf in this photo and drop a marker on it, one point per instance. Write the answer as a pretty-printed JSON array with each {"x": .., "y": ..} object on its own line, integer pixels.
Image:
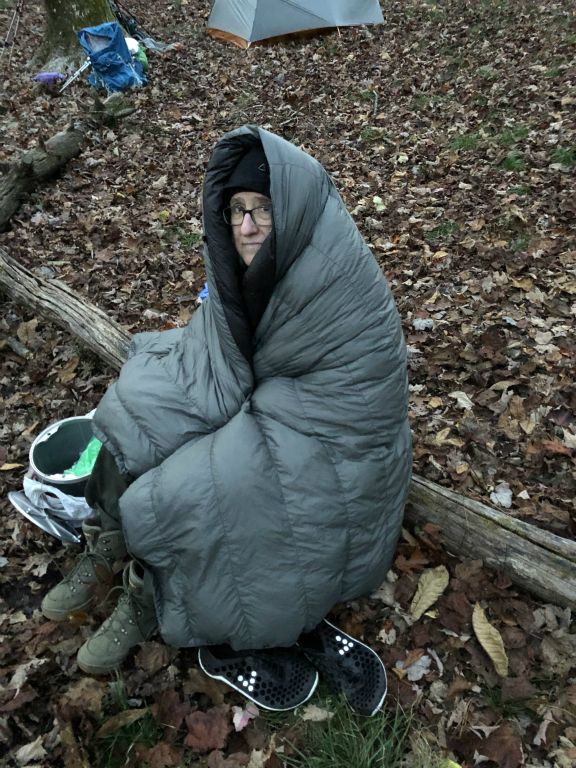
[
  {"x": 554, "y": 446},
  {"x": 152, "y": 657},
  {"x": 68, "y": 372},
  {"x": 491, "y": 640},
  {"x": 462, "y": 400},
  {"x": 569, "y": 439},
  {"x": 84, "y": 696},
  {"x": 24, "y": 671},
  {"x": 161, "y": 755},
  {"x": 169, "y": 710},
  {"x": 216, "y": 759},
  {"x": 242, "y": 717},
  {"x": 430, "y": 586},
  {"x": 31, "y": 753},
  {"x": 198, "y": 682},
  {"x": 316, "y": 714},
  {"x": 74, "y": 756},
  {"x": 443, "y": 438},
  {"x": 504, "y": 747},
  {"x": 502, "y": 495},
  {"x": 121, "y": 720},
  {"x": 208, "y": 730},
  {"x": 26, "y": 332},
  {"x": 419, "y": 669}
]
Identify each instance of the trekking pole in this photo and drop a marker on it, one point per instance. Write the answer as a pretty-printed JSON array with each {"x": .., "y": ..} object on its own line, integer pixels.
[
  {"x": 75, "y": 75},
  {"x": 12, "y": 30}
]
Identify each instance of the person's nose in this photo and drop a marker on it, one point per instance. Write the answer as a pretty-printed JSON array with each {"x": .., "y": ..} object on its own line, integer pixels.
[{"x": 248, "y": 227}]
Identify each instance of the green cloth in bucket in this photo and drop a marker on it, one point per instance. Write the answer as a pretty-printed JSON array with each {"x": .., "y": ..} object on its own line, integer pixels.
[{"x": 85, "y": 463}]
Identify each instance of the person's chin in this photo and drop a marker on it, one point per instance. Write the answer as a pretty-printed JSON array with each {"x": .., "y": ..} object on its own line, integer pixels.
[{"x": 249, "y": 250}]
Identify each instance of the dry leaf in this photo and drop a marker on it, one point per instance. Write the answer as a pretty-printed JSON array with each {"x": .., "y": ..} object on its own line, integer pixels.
[
  {"x": 491, "y": 640},
  {"x": 430, "y": 586},
  {"x": 68, "y": 372},
  {"x": 73, "y": 752},
  {"x": 208, "y": 730},
  {"x": 85, "y": 696},
  {"x": 241, "y": 717},
  {"x": 153, "y": 656},
  {"x": 31, "y": 753},
  {"x": 122, "y": 719},
  {"x": 26, "y": 332},
  {"x": 316, "y": 714},
  {"x": 198, "y": 682},
  {"x": 462, "y": 400}
]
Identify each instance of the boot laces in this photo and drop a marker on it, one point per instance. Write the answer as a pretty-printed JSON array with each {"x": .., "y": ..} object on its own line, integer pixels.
[
  {"x": 85, "y": 568},
  {"x": 127, "y": 609}
]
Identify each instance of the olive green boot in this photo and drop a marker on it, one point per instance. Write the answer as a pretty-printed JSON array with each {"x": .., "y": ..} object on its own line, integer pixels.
[
  {"x": 132, "y": 622},
  {"x": 92, "y": 573}
]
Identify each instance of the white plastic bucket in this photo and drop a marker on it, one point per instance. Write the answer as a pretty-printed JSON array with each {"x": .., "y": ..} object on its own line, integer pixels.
[{"x": 57, "y": 448}]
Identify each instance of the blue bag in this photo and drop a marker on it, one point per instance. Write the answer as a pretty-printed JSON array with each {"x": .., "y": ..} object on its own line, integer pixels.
[{"x": 113, "y": 67}]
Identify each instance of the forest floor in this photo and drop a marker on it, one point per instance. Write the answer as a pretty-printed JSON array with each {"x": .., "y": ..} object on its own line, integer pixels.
[{"x": 450, "y": 132}]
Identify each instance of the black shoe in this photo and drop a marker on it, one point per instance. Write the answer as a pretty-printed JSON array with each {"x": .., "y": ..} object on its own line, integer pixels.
[
  {"x": 349, "y": 666},
  {"x": 276, "y": 679}
]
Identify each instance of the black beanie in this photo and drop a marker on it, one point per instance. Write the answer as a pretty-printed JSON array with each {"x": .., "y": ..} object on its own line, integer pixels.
[{"x": 250, "y": 175}]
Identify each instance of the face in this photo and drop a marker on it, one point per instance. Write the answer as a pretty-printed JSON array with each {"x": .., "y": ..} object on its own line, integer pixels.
[{"x": 248, "y": 236}]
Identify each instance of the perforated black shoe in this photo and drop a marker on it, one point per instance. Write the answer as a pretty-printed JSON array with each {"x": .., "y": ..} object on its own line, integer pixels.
[
  {"x": 349, "y": 666},
  {"x": 278, "y": 679}
]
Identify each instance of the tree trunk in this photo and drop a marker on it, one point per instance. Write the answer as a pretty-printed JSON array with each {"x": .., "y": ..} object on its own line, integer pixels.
[
  {"x": 535, "y": 560},
  {"x": 64, "y": 18}
]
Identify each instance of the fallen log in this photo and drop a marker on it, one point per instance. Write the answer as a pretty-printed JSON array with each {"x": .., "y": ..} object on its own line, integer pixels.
[
  {"x": 35, "y": 166},
  {"x": 45, "y": 161},
  {"x": 536, "y": 560},
  {"x": 54, "y": 300},
  {"x": 533, "y": 559}
]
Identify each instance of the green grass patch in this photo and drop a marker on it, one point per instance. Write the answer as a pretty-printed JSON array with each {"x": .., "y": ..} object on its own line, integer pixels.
[
  {"x": 189, "y": 239},
  {"x": 349, "y": 741},
  {"x": 510, "y": 136},
  {"x": 514, "y": 161},
  {"x": 520, "y": 189},
  {"x": 112, "y": 750},
  {"x": 369, "y": 134},
  {"x": 520, "y": 243},
  {"x": 512, "y": 708},
  {"x": 466, "y": 141},
  {"x": 488, "y": 73},
  {"x": 367, "y": 95},
  {"x": 565, "y": 156},
  {"x": 185, "y": 237},
  {"x": 431, "y": 100},
  {"x": 442, "y": 231}
]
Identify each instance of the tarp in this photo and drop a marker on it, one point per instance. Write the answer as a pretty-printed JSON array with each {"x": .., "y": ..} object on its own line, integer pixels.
[
  {"x": 113, "y": 66},
  {"x": 248, "y": 21}
]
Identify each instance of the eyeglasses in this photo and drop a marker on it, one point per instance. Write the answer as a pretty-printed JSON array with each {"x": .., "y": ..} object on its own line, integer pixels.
[{"x": 261, "y": 216}]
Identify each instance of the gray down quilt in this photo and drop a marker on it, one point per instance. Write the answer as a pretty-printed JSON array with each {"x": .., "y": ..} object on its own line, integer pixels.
[{"x": 270, "y": 465}]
